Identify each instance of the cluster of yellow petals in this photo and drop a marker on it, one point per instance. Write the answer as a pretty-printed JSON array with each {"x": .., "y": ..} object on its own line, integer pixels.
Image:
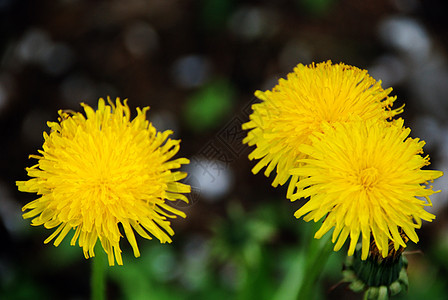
[
  {"x": 299, "y": 105},
  {"x": 328, "y": 129},
  {"x": 366, "y": 179},
  {"x": 101, "y": 170}
]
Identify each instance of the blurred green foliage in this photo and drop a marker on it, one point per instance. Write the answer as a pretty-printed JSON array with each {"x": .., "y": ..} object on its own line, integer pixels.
[
  {"x": 241, "y": 260},
  {"x": 209, "y": 106},
  {"x": 316, "y": 7},
  {"x": 215, "y": 13}
]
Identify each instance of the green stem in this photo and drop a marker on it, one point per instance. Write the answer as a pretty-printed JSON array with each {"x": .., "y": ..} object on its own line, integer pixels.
[
  {"x": 98, "y": 279},
  {"x": 307, "y": 267}
]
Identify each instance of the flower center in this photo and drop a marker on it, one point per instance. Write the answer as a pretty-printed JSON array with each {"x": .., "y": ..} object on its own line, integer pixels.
[{"x": 368, "y": 177}]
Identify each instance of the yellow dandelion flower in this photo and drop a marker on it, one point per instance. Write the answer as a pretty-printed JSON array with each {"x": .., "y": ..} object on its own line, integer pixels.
[
  {"x": 298, "y": 106},
  {"x": 101, "y": 170},
  {"x": 366, "y": 179}
]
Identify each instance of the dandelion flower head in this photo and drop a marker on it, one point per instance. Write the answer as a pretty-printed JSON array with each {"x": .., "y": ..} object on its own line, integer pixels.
[
  {"x": 101, "y": 170},
  {"x": 365, "y": 179},
  {"x": 299, "y": 105}
]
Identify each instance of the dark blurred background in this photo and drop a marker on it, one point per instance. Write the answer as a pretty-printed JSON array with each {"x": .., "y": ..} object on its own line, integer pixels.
[{"x": 197, "y": 64}]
